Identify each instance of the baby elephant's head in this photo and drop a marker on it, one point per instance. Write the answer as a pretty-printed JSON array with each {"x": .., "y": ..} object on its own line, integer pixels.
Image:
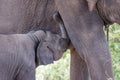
[{"x": 53, "y": 46}]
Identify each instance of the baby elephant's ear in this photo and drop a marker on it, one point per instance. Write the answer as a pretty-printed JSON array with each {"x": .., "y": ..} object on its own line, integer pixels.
[{"x": 43, "y": 56}]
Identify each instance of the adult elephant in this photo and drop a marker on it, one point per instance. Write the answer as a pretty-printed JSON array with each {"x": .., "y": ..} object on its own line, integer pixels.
[{"x": 84, "y": 27}]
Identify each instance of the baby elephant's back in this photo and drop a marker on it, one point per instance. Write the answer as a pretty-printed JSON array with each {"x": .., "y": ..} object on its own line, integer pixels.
[
  {"x": 8, "y": 57},
  {"x": 7, "y": 44}
]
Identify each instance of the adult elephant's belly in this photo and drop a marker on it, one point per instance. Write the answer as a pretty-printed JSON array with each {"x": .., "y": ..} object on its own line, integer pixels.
[
  {"x": 21, "y": 16},
  {"x": 15, "y": 15},
  {"x": 11, "y": 25}
]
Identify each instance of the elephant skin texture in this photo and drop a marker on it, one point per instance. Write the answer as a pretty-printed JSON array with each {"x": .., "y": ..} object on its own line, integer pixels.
[
  {"x": 83, "y": 20},
  {"x": 20, "y": 54}
]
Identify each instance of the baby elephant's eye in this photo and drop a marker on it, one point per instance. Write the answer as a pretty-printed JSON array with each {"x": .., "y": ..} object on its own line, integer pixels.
[{"x": 50, "y": 49}]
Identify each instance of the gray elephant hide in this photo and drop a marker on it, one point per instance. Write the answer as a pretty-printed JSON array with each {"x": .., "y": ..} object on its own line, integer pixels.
[{"x": 20, "y": 54}]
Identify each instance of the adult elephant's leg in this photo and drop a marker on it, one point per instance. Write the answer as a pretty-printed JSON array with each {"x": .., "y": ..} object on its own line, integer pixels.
[
  {"x": 78, "y": 67},
  {"x": 86, "y": 33}
]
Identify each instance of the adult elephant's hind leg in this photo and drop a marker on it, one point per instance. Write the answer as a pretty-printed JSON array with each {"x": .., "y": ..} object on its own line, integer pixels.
[{"x": 78, "y": 68}]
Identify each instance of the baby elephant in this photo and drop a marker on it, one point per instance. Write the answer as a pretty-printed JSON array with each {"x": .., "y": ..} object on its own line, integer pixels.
[{"x": 20, "y": 54}]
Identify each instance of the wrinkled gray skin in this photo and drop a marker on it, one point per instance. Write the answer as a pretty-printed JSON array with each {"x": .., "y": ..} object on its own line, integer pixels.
[
  {"x": 83, "y": 19},
  {"x": 20, "y": 54}
]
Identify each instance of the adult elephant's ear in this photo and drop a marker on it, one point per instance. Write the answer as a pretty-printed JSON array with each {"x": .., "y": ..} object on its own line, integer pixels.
[
  {"x": 43, "y": 55},
  {"x": 92, "y": 4}
]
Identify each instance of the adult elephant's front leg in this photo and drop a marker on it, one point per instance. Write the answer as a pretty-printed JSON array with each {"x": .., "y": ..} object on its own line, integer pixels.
[
  {"x": 86, "y": 33},
  {"x": 78, "y": 67}
]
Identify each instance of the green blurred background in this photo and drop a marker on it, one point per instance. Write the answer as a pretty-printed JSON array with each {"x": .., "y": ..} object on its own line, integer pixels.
[{"x": 60, "y": 69}]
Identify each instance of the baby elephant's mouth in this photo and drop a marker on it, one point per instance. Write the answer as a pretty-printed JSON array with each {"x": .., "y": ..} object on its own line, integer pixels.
[{"x": 56, "y": 54}]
